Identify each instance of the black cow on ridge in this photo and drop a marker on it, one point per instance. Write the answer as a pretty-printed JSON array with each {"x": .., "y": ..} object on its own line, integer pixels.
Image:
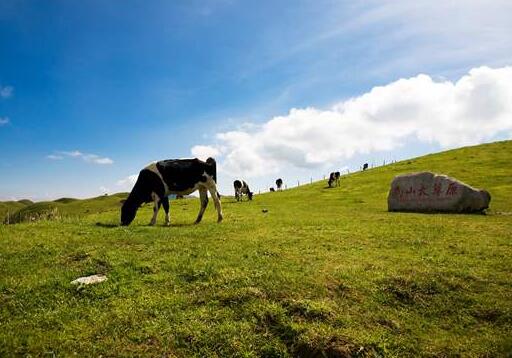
[
  {"x": 334, "y": 179},
  {"x": 242, "y": 188},
  {"x": 365, "y": 166},
  {"x": 173, "y": 176},
  {"x": 279, "y": 183}
]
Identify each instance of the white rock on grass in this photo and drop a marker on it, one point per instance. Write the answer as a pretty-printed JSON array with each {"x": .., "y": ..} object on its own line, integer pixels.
[{"x": 89, "y": 280}]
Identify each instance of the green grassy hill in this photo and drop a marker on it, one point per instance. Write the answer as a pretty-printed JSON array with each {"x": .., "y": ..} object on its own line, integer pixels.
[
  {"x": 64, "y": 208},
  {"x": 11, "y": 207},
  {"x": 323, "y": 272}
]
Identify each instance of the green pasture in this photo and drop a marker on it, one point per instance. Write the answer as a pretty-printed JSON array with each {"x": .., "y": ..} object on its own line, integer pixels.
[{"x": 308, "y": 272}]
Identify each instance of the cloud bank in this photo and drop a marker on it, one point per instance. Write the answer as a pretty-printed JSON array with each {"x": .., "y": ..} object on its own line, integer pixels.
[
  {"x": 90, "y": 158},
  {"x": 128, "y": 182},
  {"x": 473, "y": 109}
]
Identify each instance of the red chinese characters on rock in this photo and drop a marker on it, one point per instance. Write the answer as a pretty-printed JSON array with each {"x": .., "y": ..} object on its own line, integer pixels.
[
  {"x": 452, "y": 189},
  {"x": 423, "y": 192},
  {"x": 437, "y": 189}
]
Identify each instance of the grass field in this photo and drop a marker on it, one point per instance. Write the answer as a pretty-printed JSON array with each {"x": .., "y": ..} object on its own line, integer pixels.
[{"x": 325, "y": 272}]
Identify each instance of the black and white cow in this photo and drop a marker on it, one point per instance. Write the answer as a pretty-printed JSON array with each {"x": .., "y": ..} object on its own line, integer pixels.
[
  {"x": 331, "y": 180},
  {"x": 334, "y": 179},
  {"x": 242, "y": 188},
  {"x": 365, "y": 166},
  {"x": 279, "y": 183},
  {"x": 173, "y": 176}
]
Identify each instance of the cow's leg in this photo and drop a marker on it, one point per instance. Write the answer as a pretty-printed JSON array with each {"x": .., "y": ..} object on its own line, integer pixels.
[
  {"x": 156, "y": 201},
  {"x": 216, "y": 201},
  {"x": 165, "y": 205},
  {"x": 203, "y": 196}
]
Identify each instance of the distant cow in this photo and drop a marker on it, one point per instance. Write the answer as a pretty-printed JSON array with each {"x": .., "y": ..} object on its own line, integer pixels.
[
  {"x": 337, "y": 176},
  {"x": 279, "y": 183},
  {"x": 173, "y": 176},
  {"x": 334, "y": 179},
  {"x": 272, "y": 189},
  {"x": 242, "y": 188},
  {"x": 365, "y": 166}
]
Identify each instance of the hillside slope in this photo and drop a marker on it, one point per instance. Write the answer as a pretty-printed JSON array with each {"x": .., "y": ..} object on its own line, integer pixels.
[
  {"x": 320, "y": 272},
  {"x": 64, "y": 207},
  {"x": 486, "y": 166},
  {"x": 12, "y": 207}
]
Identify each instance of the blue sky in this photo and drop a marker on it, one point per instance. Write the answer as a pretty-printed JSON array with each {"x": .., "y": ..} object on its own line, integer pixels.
[{"x": 92, "y": 91}]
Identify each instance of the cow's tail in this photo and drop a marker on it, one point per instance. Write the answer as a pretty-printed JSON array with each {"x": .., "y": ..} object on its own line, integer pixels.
[{"x": 211, "y": 162}]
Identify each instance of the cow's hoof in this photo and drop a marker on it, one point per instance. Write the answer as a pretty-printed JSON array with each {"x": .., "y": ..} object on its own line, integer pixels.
[{"x": 167, "y": 224}]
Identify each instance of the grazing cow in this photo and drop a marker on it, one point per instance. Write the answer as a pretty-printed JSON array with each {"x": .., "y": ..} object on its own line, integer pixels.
[
  {"x": 174, "y": 176},
  {"x": 337, "y": 176},
  {"x": 279, "y": 183},
  {"x": 242, "y": 188},
  {"x": 365, "y": 166},
  {"x": 332, "y": 180},
  {"x": 272, "y": 189}
]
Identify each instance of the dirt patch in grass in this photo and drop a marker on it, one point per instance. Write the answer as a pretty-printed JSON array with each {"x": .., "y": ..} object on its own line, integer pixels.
[
  {"x": 340, "y": 289},
  {"x": 491, "y": 315}
]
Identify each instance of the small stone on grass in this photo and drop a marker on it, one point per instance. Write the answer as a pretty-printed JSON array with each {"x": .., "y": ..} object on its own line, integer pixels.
[{"x": 89, "y": 280}]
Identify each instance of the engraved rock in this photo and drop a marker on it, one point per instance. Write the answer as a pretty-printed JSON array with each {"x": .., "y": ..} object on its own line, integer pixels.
[{"x": 429, "y": 192}]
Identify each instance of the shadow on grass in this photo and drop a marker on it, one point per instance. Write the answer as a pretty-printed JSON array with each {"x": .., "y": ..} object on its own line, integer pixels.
[
  {"x": 106, "y": 225},
  {"x": 110, "y": 225},
  {"x": 185, "y": 224}
]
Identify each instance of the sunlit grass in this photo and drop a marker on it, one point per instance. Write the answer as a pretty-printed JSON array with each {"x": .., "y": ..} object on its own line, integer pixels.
[{"x": 323, "y": 271}]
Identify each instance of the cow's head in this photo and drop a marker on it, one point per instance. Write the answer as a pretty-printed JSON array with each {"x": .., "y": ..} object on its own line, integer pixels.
[
  {"x": 249, "y": 195},
  {"x": 128, "y": 211}
]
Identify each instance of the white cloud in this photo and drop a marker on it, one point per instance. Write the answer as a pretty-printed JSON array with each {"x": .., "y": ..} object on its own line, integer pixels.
[
  {"x": 90, "y": 158},
  {"x": 104, "y": 190},
  {"x": 203, "y": 152},
  {"x": 74, "y": 153},
  {"x": 93, "y": 158},
  {"x": 6, "y": 91},
  {"x": 471, "y": 110},
  {"x": 128, "y": 182},
  {"x": 4, "y": 121}
]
